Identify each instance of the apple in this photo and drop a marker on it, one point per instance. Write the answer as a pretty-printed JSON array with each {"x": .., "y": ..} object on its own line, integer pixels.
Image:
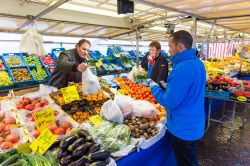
[
  {"x": 35, "y": 133},
  {"x": 37, "y": 105},
  {"x": 44, "y": 101},
  {"x": 19, "y": 106},
  {"x": 60, "y": 131},
  {"x": 52, "y": 127}
]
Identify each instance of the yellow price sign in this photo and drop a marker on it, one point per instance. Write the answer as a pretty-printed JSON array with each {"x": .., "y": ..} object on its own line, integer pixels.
[
  {"x": 43, "y": 142},
  {"x": 70, "y": 94},
  {"x": 96, "y": 120},
  {"x": 99, "y": 63},
  {"x": 121, "y": 91},
  {"x": 44, "y": 118}
]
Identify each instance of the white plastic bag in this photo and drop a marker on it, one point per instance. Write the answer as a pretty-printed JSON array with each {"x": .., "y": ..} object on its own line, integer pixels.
[
  {"x": 125, "y": 103},
  {"x": 111, "y": 111},
  {"x": 90, "y": 83},
  {"x": 32, "y": 43},
  {"x": 143, "y": 108}
]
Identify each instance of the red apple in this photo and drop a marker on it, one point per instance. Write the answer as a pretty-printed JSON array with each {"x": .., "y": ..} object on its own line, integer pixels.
[
  {"x": 44, "y": 101},
  {"x": 52, "y": 127},
  {"x": 60, "y": 131},
  {"x": 37, "y": 105},
  {"x": 35, "y": 133},
  {"x": 2, "y": 125},
  {"x": 7, "y": 127}
]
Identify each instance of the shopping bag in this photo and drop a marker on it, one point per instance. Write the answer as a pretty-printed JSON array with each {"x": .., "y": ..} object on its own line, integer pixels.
[{"x": 90, "y": 83}]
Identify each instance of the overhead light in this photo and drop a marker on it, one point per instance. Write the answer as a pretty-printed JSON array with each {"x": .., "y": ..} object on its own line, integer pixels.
[
  {"x": 157, "y": 28},
  {"x": 85, "y": 9}
]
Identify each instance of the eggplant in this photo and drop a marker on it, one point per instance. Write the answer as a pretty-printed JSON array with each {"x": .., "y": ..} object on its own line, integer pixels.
[
  {"x": 99, "y": 155},
  {"x": 55, "y": 144},
  {"x": 64, "y": 144},
  {"x": 81, "y": 150},
  {"x": 62, "y": 153},
  {"x": 100, "y": 163},
  {"x": 82, "y": 161},
  {"x": 66, "y": 160},
  {"x": 83, "y": 133},
  {"x": 77, "y": 143},
  {"x": 94, "y": 148}
]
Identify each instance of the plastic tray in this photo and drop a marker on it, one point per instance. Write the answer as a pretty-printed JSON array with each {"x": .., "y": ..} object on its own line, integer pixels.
[
  {"x": 25, "y": 83},
  {"x": 9, "y": 55},
  {"x": 217, "y": 94},
  {"x": 54, "y": 52},
  {"x": 44, "y": 80}
]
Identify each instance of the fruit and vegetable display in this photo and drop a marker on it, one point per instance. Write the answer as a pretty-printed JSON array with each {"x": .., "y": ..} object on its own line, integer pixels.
[
  {"x": 80, "y": 149},
  {"x": 32, "y": 61},
  {"x": 39, "y": 74},
  {"x": 47, "y": 60},
  {"x": 21, "y": 75},
  {"x": 5, "y": 79},
  {"x": 95, "y": 102},
  {"x": 13, "y": 61},
  {"x": 2, "y": 67},
  {"x": 141, "y": 127}
]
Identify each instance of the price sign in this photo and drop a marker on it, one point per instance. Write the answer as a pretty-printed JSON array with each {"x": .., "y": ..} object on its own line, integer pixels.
[
  {"x": 99, "y": 63},
  {"x": 70, "y": 94},
  {"x": 122, "y": 91},
  {"x": 96, "y": 120},
  {"x": 44, "y": 118},
  {"x": 43, "y": 142}
]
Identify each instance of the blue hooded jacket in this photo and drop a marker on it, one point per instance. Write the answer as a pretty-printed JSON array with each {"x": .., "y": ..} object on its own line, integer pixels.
[{"x": 184, "y": 96}]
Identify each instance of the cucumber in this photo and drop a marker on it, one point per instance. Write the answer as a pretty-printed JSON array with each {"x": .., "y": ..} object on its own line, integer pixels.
[
  {"x": 77, "y": 143},
  {"x": 64, "y": 144},
  {"x": 10, "y": 160},
  {"x": 99, "y": 155},
  {"x": 81, "y": 150}
]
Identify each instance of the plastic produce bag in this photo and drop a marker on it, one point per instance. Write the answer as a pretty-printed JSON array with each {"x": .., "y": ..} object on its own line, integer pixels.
[
  {"x": 32, "y": 42},
  {"x": 111, "y": 111},
  {"x": 125, "y": 103},
  {"x": 143, "y": 108},
  {"x": 90, "y": 83}
]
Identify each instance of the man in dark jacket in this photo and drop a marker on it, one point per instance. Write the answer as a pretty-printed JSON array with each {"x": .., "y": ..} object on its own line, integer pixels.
[
  {"x": 155, "y": 64},
  {"x": 70, "y": 65}
]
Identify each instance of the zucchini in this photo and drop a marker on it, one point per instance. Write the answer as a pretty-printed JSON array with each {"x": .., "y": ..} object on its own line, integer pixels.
[
  {"x": 66, "y": 160},
  {"x": 83, "y": 133},
  {"x": 10, "y": 151},
  {"x": 99, "y": 155},
  {"x": 64, "y": 144},
  {"x": 77, "y": 143},
  {"x": 100, "y": 163},
  {"x": 81, "y": 150},
  {"x": 62, "y": 153},
  {"x": 3, "y": 157},
  {"x": 82, "y": 161},
  {"x": 94, "y": 148},
  {"x": 16, "y": 164},
  {"x": 10, "y": 160}
]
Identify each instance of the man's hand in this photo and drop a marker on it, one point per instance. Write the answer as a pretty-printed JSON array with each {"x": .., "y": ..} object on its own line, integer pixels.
[{"x": 82, "y": 67}]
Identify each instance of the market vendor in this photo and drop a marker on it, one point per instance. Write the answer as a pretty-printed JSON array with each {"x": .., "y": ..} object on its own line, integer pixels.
[
  {"x": 184, "y": 98},
  {"x": 155, "y": 63},
  {"x": 70, "y": 65}
]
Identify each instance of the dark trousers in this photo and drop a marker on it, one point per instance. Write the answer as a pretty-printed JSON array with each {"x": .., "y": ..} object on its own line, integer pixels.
[{"x": 185, "y": 151}]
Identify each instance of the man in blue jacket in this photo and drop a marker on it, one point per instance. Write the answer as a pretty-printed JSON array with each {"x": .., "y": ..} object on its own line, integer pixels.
[{"x": 184, "y": 98}]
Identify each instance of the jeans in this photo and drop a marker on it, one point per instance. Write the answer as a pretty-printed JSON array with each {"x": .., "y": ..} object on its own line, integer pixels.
[{"x": 185, "y": 151}]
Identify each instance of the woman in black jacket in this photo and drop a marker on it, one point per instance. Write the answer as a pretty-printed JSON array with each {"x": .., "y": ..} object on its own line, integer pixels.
[{"x": 155, "y": 64}]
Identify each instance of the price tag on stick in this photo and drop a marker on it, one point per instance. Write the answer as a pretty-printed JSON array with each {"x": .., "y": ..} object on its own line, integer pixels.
[
  {"x": 96, "y": 120},
  {"x": 43, "y": 142},
  {"x": 44, "y": 118},
  {"x": 70, "y": 94}
]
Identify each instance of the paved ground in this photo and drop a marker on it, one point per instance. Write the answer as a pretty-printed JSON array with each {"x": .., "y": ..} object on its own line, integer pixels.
[{"x": 215, "y": 149}]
